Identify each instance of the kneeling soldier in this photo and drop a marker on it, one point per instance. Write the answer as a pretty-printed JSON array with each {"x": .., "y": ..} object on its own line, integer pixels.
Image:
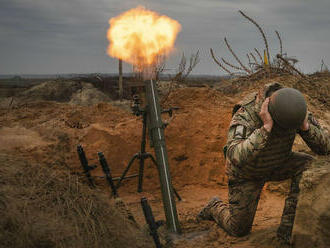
[{"x": 259, "y": 149}]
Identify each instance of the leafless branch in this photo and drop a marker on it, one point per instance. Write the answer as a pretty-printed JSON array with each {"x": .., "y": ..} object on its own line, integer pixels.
[
  {"x": 219, "y": 64},
  {"x": 324, "y": 67},
  {"x": 193, "y": 61},
  {"x": 254, "y": 58},
  {"x": 231, "y": 65},
  {"x": 280, "y": 40},
  {"x": 179, "y": 72},
  {"x": 159, "y": 66},
  {"x": 259, "y": 55},
  {"x": 235, "y": 56},
  {"x": 250, "y": 63},
  {"x": 287, "y": 63},
  {"x": 322, "y": 64},
  {"x": 182, "y": 65},
  {"x": 181, "y": 75},
  {"x": 260, "y": 29},
  {"x": 292, "y": 60}
]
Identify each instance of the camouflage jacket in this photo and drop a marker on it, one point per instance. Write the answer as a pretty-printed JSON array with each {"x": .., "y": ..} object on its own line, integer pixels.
[{"x": 252, "y": 152}]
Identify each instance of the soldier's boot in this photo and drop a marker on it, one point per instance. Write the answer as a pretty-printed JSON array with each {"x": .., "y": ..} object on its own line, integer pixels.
[
  {"x": 206, "y": 212},
  {"x": 289, "y": 212},
  {"x": 285, "y": 229}
]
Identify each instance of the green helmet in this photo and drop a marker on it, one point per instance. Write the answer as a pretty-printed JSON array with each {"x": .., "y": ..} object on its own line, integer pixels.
[{"x": 288, "y": 108}]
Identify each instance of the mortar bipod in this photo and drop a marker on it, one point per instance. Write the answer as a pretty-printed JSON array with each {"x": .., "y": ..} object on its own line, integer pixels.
[
  {"x": 86, "y": 167},
  {"x": 142, "y": 155}
]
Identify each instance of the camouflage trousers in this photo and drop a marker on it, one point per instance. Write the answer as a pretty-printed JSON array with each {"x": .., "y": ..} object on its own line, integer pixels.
[{"x": 237, "y": 216}]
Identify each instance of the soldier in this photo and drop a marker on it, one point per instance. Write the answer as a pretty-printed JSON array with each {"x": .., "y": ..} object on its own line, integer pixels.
[{"x": 259, "y": 149}]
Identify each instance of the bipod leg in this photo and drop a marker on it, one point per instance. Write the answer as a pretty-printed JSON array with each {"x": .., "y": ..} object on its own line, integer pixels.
[
  {"x": 153, "y": 225},
  {"x": 176, "y": 194},
  {"x": 141, "y": 170},
  {"x": 142, "y": 154},
  {"x": 148, "y": 155},
  {"x": 155, "y": 162},
  {"x": 126, "y": 170},
  {"x": 87, "y": 168},
  {"x": 107, "y": 172}
]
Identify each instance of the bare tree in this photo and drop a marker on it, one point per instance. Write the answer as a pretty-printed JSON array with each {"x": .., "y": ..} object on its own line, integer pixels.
[
  {"x": 260, "y": 30},
  {"x": 256, "y": 66},
  {"x": 182, "y": 71},
  {"x": 159, "y": 66},
  {"x": 324, "y": 67},
  {"x": 219, "y": 64},
  {"x": 236, "y": 57}
]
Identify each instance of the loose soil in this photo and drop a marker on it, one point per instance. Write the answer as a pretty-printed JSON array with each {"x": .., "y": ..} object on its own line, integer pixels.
[{"x": 47, "y": 133}]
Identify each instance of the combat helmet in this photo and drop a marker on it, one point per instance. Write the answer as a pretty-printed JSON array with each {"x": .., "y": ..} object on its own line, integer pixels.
[{"x": 288, "y": 108}]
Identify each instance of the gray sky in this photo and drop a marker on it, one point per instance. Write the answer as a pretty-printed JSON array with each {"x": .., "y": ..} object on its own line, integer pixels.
[{"x": 69, "y": 36}]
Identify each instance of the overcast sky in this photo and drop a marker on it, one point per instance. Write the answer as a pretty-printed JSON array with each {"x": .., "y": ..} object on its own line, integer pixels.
[{"x": 69, "y": 36}]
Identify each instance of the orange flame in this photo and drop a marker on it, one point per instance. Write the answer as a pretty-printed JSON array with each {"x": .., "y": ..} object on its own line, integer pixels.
[{"x": 139, "y": 36}]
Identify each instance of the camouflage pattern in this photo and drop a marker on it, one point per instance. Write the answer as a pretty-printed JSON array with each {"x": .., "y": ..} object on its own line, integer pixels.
[
  {"x": 255, "y": 156},
  {"x": 254, "y": 153},
  {"x": 315, "y": 137},
  {"x": 237, "y": 216}
]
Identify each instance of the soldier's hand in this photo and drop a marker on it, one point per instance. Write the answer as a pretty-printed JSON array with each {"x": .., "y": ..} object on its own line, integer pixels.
[
  {"x": 265, "y": 116},
  {"x": 305, "y": 125}
]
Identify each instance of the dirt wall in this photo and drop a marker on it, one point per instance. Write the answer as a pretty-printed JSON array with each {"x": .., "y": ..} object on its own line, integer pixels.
[{"x": 312, "y": 224}]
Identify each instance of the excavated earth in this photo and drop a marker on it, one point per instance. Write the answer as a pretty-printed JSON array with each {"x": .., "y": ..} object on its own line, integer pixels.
[{"x": 47, "y": 132}]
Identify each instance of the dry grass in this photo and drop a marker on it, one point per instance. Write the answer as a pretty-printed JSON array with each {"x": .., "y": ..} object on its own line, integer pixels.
[{"x": 43, "y": 207}]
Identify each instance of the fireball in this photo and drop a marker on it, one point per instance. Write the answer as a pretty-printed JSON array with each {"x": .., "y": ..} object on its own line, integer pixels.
[{"x": 139, "y": 36}]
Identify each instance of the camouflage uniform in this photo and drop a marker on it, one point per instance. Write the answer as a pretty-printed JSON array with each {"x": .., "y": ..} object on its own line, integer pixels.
[{"x": 255, "y": 156}]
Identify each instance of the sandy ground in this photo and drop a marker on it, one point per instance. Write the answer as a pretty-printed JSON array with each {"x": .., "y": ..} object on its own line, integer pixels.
[{"x": 48, "y": 132}]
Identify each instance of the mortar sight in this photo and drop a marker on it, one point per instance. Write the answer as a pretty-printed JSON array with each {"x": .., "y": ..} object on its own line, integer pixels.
[{"x": 136, "y": 110}]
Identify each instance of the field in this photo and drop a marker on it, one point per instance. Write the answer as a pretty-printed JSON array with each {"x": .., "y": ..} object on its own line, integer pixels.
[{"x": 40, "y": 168}]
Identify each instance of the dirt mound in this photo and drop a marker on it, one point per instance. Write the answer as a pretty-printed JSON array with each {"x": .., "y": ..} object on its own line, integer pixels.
[
  {"x": 7, "y": 102},
  {"x": 43, "y": 207},
  {"x": 48, "y": 132},
  {"x": 316, "y": 87},
  {"x": 79, "y": 93},
  {"x": 88, "y": 95},
  {"x": 197, "y": 133},
  {"x": 195, "y": 136},
  {"x": 12, "y": 138},
  {"x": 312, "y": 224},
  {"x": 60, "y": 91}
]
